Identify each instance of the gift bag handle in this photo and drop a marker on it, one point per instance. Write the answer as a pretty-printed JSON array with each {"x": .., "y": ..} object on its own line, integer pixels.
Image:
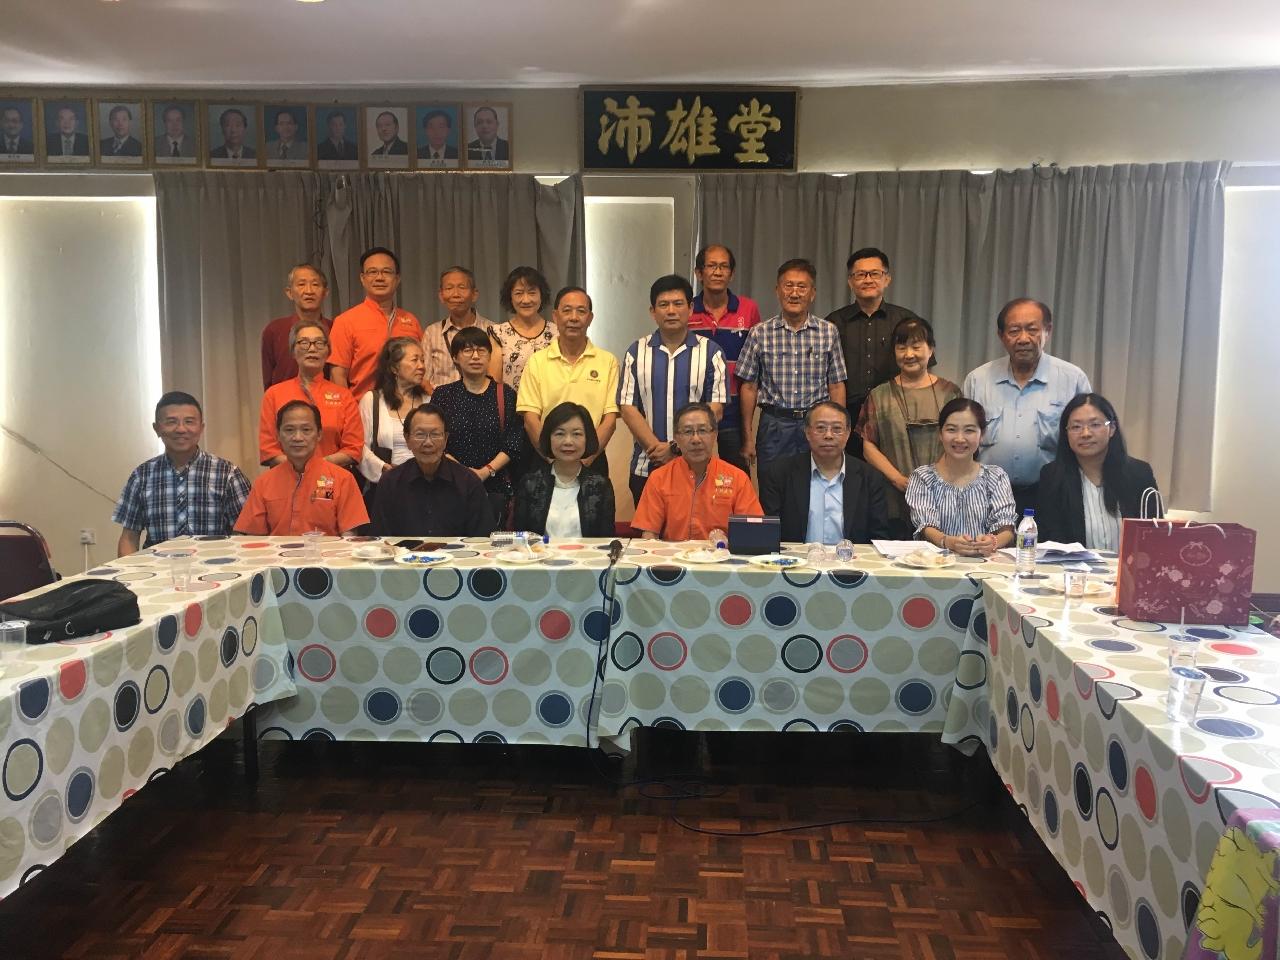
[
  {"x": 1192, "y": 523},
  {"x": 1150, "y": 496}
]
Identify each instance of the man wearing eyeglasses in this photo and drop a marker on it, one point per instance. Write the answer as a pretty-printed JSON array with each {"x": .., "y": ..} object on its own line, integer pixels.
[
  {"x": 305, "y": 287},
  {"x": 725, "y": 317},
  {"x": 359, "y": 333},
  {"x": 825, "y": 496},
  {"x": 430, "y": 495},
  {"x": 865, "y": 328},
  {"x": 789, "y": 363},
  {"x": 661, "y": 373},
  {"x": 696, "y": 492}
]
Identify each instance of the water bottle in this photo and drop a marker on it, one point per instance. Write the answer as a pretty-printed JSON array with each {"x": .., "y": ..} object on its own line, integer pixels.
[{"x": 1025, "y": 540}]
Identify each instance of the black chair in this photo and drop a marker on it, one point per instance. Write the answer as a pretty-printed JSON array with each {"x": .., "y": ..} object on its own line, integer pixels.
[{"x": 24, "y": 559}]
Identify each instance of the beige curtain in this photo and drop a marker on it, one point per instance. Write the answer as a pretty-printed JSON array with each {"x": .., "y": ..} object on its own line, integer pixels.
[{"x": 1129, "y": 257}]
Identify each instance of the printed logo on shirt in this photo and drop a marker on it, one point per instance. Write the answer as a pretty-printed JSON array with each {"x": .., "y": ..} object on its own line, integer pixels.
[
  {"x": 324, "y": 488},
  {"x": 595, "y": 375},
  {"x": 332, "y": 398}
]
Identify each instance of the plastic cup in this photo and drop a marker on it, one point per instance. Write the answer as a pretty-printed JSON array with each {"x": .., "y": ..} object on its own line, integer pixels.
[
  {"x": 816, "y": 555},
  {"x": 1182, "y": 650},
  {"x": 1073, "y": 584},
  {"x": 844, "y": 551},
  {"x": 180, "y": 570},
  {"x": 1186, "y": 685},
  {"x": 13, "y": 632},
  {"x": 311, "y": 545}
]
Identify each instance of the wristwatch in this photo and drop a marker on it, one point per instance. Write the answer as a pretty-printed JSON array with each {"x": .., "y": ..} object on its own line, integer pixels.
[{"x": 675, "y": 448}]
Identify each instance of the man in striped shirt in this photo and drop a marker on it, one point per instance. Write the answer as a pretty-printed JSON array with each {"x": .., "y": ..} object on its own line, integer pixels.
[{"x": 661, "y": 373}]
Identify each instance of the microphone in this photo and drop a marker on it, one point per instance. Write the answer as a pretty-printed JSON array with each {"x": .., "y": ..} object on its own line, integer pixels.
[{"x": 615, "y": 552}]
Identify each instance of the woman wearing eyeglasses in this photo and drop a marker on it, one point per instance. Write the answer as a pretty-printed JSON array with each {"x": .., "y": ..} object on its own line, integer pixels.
[
  {"x": 1094, "y": 482},
  {"x": 485, "y": 433},
  {"x": 341, "y": 432},
  {"x": 898, "y": 422}
]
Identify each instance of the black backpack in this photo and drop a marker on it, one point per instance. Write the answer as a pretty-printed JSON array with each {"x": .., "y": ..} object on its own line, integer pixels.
[{"x": 77, "y": 608}]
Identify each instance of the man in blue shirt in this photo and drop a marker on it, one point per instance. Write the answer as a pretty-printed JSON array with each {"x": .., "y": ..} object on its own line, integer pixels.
[
  {"x": 662, "y": 373},
  {"x": 1023, "y": 396}
]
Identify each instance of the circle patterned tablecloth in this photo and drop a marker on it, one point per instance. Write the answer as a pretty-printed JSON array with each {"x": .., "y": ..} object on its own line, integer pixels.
[
  {"x": 87, "y": 723},
  {"x": 1133, "y": 805}
]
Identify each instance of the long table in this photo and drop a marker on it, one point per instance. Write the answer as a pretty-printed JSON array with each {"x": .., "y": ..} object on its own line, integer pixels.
[{"x": 1161, "y": 826}]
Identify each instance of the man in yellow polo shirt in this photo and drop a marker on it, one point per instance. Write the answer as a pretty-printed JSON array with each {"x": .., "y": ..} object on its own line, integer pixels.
[{"x": 571, "y": 368}]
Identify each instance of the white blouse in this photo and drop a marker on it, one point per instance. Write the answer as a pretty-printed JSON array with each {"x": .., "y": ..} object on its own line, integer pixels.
[
  {"x": 390, "y": 435},
  {"x": 563, "y": 520},
  {"x": 1101, "y": 527}
]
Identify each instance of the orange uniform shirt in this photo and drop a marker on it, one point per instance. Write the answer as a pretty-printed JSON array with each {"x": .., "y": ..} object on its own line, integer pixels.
[
  {"x": 341, "y": 429},
  {"x": 358, "y": 335},
  {"x": 678, "y": 509},
  {"x": 283, "y": 504}
]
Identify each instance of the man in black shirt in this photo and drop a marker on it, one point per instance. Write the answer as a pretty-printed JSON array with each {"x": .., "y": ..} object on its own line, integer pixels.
[
  {"x": 865, "y": 327},
  {"x": 430, "y": 496}
]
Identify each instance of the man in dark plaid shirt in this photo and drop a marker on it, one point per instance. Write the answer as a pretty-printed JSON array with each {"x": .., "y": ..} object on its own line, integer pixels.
[
  {"x": 184, "y": 491},
  {"x": 787, "y": 364}
]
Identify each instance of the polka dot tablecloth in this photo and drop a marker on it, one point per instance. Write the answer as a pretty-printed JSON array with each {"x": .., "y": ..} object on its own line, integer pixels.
[
  {"x": 87, "y": 723},
  {"x": 1135, "y": 806}
]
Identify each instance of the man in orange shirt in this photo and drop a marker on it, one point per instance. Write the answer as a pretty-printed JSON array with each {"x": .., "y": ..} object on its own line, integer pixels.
[
  {"x": 306, "y": 492},
  {"x": 359, "y": 333},
  {"x": 696, "y": 492}
]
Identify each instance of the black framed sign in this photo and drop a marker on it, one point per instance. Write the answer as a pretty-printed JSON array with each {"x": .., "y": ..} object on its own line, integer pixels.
[{"x": 668, "y": 128}]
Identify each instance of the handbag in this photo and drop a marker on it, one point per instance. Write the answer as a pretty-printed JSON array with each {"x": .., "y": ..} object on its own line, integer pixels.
[
  {"x": 1174, "y": 571},
  {"x": 77, "y": 608},
  {"x": 382, "y": 453}
]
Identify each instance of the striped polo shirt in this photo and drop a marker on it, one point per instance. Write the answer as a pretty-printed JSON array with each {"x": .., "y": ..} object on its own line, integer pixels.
[
  {"x": 659, "y": 381},
  {"x": 730, "y": 331}
]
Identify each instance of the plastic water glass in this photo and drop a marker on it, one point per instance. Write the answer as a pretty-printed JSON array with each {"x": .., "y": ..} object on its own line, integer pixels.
[
  {"x": 844, "y": 551},
  {"x": 13, "y": 632},
  {"x": 1073, "y": 584},
  {"x": 1186, "y": 685},
  {"x": 180, "y": 564},
  {"x": 1183, "y": 650},
  {"x": 311, "y": 545},
  {"x": 816, "y": 555}
]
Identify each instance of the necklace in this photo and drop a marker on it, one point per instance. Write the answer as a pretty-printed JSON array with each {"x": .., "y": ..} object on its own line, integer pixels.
[{"x": 901, "y": 397}]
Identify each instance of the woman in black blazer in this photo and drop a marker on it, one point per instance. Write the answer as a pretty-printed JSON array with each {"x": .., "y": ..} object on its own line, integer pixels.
[
  {"x": 1094, "y": 482},
  {"x": 547, "y": 495}
]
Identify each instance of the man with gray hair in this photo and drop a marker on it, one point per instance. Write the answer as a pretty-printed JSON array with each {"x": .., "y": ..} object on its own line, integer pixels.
[{"x": 305, "y": 287}]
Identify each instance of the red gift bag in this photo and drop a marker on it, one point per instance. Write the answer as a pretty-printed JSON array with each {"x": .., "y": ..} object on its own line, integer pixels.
[{"x": 1172, "y": 570}]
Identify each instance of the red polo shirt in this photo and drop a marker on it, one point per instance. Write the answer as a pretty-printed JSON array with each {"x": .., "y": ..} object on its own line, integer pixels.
[{"x": 278, "y": 364}]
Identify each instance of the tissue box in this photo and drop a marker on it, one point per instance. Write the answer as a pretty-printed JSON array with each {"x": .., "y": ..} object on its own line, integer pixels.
[{"x": 754, "y": 535}]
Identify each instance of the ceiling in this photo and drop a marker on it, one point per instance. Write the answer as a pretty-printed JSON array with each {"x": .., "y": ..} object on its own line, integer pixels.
[{"x": 533, "y": 43}]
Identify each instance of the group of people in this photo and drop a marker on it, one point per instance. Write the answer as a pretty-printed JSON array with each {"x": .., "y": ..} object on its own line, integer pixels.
[{"x": 370, "y": 421}]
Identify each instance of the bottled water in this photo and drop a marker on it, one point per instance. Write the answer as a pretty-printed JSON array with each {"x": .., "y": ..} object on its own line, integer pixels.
[
  {"x": 718, "y": 539},
  {"x": 1025, "y": 541}
]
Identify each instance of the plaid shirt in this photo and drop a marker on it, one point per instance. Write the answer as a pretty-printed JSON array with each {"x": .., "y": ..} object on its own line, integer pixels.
[
  {"x": 792, "y": 367},
  {"x": 214, "y": 491}
]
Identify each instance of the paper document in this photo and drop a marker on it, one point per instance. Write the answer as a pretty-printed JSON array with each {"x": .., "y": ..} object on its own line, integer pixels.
[
  {"x": 1052, "y": 552},
  {"x": 897, "y": 549}
]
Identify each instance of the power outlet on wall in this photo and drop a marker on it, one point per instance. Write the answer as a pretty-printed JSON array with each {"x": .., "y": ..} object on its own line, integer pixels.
[{"x": 87, "y": 537}]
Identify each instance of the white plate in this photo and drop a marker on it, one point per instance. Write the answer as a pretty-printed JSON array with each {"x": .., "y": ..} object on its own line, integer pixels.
[
  {"x": 700, "y": 556},
  {"x": 519, "y": 556},
  {"x": 939, "y": 564},
  {"x": 373, "y": 551},
  {"x": 777, "y": 561},
  {"x": 422, "y": 559},
  {"x": 1092, "y": 588}
]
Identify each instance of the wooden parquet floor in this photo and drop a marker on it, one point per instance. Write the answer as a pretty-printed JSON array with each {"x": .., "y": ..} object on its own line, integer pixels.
[{"x": 384, "y": 852}]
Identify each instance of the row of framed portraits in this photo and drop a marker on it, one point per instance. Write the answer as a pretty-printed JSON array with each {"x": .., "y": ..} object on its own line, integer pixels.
[{"x": 77, "y": 131}]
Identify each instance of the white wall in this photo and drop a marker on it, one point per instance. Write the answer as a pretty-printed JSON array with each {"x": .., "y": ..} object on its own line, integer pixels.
[
  {"x": 79, "y": 362},
  {"x": 1246, "y": 448}
]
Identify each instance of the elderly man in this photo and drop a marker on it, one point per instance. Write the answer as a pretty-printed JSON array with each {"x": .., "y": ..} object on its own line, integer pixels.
[
  {"x": 305, "y": 288},
  {"x": 696, "y": 492},
  {"x": 305, "y": 492},
  {"x": 389, "y": 142},
  {"x": 68, "y": 140},
  {"x": 184, "y": 491},
  {"x": 571, "y": 368},
  {"x": 788, "y": 364},
  {"x": 234, "y": 125},
  {"x": 824, "y": 496},
  {"x": 431, "y": 495},
  {"x": 458, "y": 294},
  {"x": 661, "y": 373},
  {"x": 1023, "y": 396},
  {"x": 359, "y": 333}
]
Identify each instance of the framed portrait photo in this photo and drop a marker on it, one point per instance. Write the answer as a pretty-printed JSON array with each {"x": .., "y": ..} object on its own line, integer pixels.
[
  {"x": 17, "y": 131},
  {"x": 233, "y": 134},
  {"x": 121, "y": 132},
  {"x": 288, "y": 129},
  {"x": 488, "y": 133},
  {"x": 386, "y": 130},
  {"x": 175, "y": 133},
  {"x": 437, "y": 127},
  {"x": 337, "y": 138},
  {"x": 66, "y": 131}
]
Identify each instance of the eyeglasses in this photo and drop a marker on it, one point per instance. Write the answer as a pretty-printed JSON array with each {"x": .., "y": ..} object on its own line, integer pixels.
[
  {"x": 473, "y": 349},
  {"x": 715, "y": 268},
  {"x": 317, "y": 343},
  {"x": 435, "y": 436},
  {"x": 695, "y": 432},
  {"x": 867, "y": 275},
  {"x": 1093, "y": 426},
  {"x": 380, "y": 272},
  {"x": 830, "y": 430},
  {"x": 793, "y": 287}
]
